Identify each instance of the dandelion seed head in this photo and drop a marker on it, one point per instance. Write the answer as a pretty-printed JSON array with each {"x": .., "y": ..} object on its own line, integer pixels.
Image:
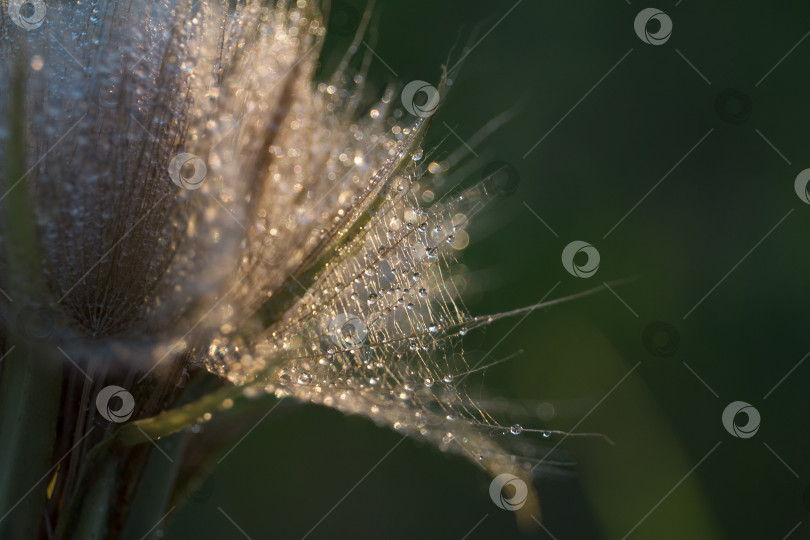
[{"x": 201, "y": 199}]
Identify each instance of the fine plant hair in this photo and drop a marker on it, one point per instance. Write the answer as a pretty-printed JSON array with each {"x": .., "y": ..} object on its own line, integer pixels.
[{"x": 311, "y": 263}]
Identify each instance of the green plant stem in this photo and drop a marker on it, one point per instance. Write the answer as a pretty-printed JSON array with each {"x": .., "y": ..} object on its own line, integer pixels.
[
  {"x": 154, "y": 486},
  {"x": 29, "y": 405},
  {"x": 177, "y": 419},
  {"x": 96, "y": 498},
  {"x": 31, "y": 374}
]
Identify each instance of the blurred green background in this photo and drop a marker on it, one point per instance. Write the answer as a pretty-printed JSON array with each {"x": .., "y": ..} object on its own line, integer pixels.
[{"x": 725, "y": 187}]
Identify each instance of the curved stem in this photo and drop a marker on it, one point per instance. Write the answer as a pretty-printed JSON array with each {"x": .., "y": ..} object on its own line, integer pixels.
[{"x": 174, "y": 420}]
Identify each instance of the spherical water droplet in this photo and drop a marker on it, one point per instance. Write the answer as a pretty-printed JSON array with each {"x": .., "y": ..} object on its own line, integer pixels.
[
  {"x": 516, "y": 429},
  {"x": 447, "y": 379}
]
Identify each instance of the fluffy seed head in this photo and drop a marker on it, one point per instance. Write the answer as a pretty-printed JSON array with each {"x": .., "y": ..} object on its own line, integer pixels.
[{"x": 196, "y": 196}]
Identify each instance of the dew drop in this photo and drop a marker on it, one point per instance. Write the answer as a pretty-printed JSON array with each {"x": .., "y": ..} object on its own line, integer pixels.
[{"x": 516, "y": 429}]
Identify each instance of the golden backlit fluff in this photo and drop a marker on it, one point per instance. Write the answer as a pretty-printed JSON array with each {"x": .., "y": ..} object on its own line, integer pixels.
[{"x": 296, "y": 259}]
